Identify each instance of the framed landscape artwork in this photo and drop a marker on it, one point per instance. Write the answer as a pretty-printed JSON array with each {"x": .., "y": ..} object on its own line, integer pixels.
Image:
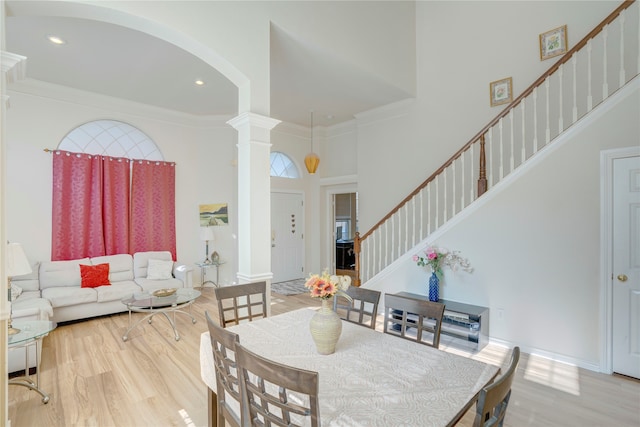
[
  {"x": 500, "y": 92},
  {"x": 213, "y": 214},
  {"x": 553, "y": 43}
]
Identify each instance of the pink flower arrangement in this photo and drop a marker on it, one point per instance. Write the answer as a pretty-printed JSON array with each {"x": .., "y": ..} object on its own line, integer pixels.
[
  {"x": 437, "y": 258},
  {"x": 325, "y": 285}
]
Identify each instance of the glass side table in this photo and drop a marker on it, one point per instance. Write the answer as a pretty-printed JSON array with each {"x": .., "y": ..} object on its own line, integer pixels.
[
  {"x": 203, "y": 272},
  {"x": 31, "y": 333}
]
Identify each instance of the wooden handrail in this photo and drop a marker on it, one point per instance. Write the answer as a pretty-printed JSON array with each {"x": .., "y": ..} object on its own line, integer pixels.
[{"x": 480, "y": 135}]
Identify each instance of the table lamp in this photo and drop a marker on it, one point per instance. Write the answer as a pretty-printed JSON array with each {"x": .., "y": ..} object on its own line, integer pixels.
[
  {"x": 206, "y": 234},
  {"x": 17, "y": 265}
]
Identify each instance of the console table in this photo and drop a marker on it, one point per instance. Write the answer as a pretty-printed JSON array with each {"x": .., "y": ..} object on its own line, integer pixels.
[
  {"x": 203, "y": 272},
  {"x": 469, "y": 323}
]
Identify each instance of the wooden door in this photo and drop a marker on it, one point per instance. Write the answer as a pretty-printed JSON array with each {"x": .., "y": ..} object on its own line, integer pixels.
[{"x": 626, "y": 266}]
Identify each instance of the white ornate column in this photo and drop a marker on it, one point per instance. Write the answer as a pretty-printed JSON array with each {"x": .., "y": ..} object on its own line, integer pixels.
[
  {"x": 13, "y": 68},
  {"x": 254, "y": 198}
]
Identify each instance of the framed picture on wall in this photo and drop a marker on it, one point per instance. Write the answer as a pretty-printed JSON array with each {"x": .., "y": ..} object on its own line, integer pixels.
[
  {"x": 553, "y": 43},
  {"x": 500, "y": 92},
  {"x": 214, "y": 214}
]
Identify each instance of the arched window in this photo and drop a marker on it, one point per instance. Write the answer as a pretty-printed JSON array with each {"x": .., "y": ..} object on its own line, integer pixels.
[
  {"x": 111, "y": 138},
  {"x": 282, "y": 166},
  {"x": 112, "y": 193}
]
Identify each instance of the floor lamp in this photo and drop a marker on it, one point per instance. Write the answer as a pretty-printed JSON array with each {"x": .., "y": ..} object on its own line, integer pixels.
[
  {"x": 17, "y": 265},
  {"x": 206, "y": 234}
]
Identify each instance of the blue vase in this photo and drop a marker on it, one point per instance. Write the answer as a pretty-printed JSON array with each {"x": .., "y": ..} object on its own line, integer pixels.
[{"x": 434, "y": 287}]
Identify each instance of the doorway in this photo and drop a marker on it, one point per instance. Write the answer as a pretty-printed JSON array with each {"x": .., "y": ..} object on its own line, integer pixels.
[
  {"x": 620, "y": 212},
  {"x": 345, "y": 225}
]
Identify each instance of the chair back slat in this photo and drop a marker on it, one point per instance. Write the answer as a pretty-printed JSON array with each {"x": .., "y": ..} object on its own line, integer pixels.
[
  {"x": 276, "y": 394},
  {"x": 223, "y": 344},
  {"x": 362, "y": 310},
  {"x": 493, "y": 400},
  {"x": 410, "y": 318},
  {"x": 239, "y": 303}
]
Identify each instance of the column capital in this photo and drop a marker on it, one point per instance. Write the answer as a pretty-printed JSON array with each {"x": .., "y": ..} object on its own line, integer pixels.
[
  {"x": 253, "y": 119},
  {"x": 13, "y": 66}
]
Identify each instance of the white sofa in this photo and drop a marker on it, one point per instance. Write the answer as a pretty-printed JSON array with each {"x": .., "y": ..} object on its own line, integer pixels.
[{"x": 53, "y": 291}]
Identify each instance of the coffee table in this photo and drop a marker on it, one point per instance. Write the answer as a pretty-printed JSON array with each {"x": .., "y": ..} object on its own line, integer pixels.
[
  {"x": 146, "y": 302},
  {"x": 31, "y": 333}
]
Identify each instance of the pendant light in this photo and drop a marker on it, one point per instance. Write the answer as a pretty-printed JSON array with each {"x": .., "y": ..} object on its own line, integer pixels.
[{"x": 312, "y": 160}]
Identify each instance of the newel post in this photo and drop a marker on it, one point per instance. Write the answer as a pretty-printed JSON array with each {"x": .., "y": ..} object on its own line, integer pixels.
[
  {"x": 482, "y": 178},
  {"x": 356, "y": 250}
]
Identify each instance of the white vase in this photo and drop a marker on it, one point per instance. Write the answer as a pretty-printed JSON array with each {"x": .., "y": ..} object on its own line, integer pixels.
[{"x": 326, "y": 327}]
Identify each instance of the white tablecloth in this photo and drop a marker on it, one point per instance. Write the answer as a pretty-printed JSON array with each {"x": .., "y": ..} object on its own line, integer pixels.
[{"x": 373, "y": 379}]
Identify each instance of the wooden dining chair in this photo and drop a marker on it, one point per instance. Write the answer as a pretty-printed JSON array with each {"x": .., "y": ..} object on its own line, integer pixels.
[
  {"x": 494, "y": 398},
  {"x": 276, "y": 394},
  {"x": 362, "y": 310},
  {"x": 241, "y": 302},
  {"x": 404, "y": 316},
  {"x": 223, "y": 344}
]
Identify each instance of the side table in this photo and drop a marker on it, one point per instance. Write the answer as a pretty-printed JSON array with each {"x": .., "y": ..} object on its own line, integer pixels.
[
  {"x": 31, "y": 333},
  {"x": 203, "y": 272}
]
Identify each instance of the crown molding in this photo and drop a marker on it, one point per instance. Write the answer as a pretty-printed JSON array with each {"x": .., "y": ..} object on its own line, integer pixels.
[{"x": 109, "y": 104}]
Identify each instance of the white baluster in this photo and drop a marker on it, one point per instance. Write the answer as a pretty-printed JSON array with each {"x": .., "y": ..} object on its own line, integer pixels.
[
  {"x": 547, "y": 137},
  {"x": 413, "y": 201},
  {"x": 472, "y": 161},
  {"x": 462, "y": 183},
  {"x": 574, "y": 61},
  {"x": 444, "y": 199},
  {"x": 589, "y": 83},
  {"x": 437, "y": 221},
  {"x": 453, "y": 188},
  {"x": 560, "y": 98},
  {"x": 512, "y": 143},
  {"x": 605, "y": 83},
  {"x": 391, "y": 248},
  {"x": 501, "y": 150},
  {"x": 428, "y": 208},
  {"x": 406, "y": 228},
  {"x": 523, "y": 152},
  {"x": 535, "y": 119},
  {"x": 623, "y": 79},
  {"x": 421, "y": 215}
]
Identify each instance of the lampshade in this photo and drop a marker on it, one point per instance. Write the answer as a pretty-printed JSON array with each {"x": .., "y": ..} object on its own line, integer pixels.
[
  {"x": 17, "y": 262},
  {"x": 311, "y": 160},
  {"x": 206, "y": 233}
]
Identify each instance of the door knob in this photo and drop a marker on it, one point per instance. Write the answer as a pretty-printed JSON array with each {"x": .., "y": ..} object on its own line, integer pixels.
[{"x": 622, "y": 277}]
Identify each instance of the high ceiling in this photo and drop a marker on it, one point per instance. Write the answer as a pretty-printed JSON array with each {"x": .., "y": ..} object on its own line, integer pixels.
[{"x": 125, "y": 63}]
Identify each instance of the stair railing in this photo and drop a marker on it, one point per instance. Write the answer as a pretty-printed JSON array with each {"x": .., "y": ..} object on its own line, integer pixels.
[{"x": 601, "y": 63}]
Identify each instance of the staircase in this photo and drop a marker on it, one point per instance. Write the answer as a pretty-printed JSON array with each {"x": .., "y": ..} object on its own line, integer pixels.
[{"x": 593, "y": 70}]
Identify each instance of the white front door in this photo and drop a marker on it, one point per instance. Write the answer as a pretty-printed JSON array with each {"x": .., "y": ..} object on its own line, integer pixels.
[
  {"x": 626, "y": 266},
  {"x": 287, "y": 237}
]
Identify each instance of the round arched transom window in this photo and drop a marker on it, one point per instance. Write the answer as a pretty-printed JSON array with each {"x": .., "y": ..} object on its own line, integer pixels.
[
  {"x": 111, "y": 138},
  {"x": 282, "y": 166}
]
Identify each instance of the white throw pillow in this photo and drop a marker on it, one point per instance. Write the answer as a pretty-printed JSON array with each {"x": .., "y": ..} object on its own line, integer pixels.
[
  {"x": 159, "y": 269},
  {"x": 15, "y": 291}
]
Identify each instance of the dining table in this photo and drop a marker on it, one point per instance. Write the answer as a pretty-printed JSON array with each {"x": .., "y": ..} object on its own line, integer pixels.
[{"x": 372, "y": 379}]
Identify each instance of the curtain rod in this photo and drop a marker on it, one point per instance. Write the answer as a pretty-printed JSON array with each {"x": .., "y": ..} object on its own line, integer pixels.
[{"x": 49, "y": 150}]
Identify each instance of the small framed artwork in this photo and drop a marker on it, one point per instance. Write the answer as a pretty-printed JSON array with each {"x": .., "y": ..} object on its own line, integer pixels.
[
  {"x": 553, "y": 43},
  {"x": 500, "y": 92},
  {"x": 213, "y": 214}
]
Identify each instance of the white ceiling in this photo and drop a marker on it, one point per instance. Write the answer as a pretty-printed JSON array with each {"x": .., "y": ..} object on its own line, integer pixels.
[{"x": 125, "y": 63}]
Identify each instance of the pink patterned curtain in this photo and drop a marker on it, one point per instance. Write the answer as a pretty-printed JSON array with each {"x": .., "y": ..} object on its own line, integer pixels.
[
  {"x": 153, "y": 219},
  {"x": 115, "y": 216},
  {"x": 90, "y": 206}
]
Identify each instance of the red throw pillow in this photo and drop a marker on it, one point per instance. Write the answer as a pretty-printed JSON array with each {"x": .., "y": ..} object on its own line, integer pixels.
[{"x": 94, "y": 275}]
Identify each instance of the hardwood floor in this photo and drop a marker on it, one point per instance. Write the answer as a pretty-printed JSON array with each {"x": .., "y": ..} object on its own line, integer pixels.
[{"x": 96, "y": 379}]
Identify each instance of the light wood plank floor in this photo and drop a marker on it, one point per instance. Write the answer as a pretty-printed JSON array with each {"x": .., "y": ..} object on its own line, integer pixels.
[{"x": 96, "y": 379}]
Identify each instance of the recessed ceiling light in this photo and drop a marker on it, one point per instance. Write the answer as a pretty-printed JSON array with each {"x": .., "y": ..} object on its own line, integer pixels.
[
  {"x": 56, "y": 40},
  {"x": 199, "y": 82}
]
